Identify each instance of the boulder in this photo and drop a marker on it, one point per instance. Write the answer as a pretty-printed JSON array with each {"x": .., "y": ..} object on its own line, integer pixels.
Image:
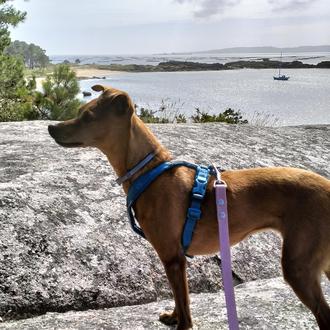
[
  {"x": 85, "y": 93},
  {"x": 65, "y": 241},
  {"x": 263, "y": 304}
]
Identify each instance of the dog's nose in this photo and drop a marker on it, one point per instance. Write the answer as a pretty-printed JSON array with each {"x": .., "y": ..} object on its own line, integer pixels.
[{"x": 51, "y": 130}]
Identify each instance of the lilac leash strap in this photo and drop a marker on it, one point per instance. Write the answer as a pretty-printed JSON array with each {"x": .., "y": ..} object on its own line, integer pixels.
[{"x": 222, "y": 214}]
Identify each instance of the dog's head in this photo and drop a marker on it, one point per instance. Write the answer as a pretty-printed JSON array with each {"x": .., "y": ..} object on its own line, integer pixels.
[{"x": 100, "y": 123}]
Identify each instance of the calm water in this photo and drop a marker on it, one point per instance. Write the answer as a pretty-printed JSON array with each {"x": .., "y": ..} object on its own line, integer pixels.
[{"x": 304, "y": 99}]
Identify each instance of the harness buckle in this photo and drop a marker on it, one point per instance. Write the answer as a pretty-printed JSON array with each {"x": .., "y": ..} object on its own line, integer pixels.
[
  {"x": 200, "y": 183},
  {"x": 198, "y": 195}
]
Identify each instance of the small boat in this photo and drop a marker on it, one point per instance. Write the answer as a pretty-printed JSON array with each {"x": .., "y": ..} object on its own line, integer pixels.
[{"x": 283, "y": 76}]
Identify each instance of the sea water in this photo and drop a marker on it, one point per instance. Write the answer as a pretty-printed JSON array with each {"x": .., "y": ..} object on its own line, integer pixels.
[{"x": 303, "y": 99}]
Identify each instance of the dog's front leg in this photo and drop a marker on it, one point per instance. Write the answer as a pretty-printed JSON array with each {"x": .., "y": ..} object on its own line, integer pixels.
[{"x": 176, "y": 273}]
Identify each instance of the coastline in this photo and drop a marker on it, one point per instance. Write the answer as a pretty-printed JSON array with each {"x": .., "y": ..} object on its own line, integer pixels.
[
  {"x": 180, "y": 66},
  {"x": 96, "y": 71},
  {"x": 83, "y": 73},
  {"x": 92, "y": 72}
]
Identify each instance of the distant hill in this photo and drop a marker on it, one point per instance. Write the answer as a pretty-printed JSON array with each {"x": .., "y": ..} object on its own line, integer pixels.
[{"x": 265, "y": 49}]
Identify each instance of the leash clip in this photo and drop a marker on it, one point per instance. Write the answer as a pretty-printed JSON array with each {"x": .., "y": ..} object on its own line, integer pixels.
[{"x": 218, "y": 180}]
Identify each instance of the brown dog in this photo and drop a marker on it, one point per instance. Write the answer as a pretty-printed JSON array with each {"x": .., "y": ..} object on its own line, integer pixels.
[{"x": 292, "y": 201}]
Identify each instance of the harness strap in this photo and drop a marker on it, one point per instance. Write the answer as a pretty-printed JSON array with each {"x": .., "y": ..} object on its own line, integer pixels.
[
  {"x": 142, "y": 183},
  {"x": 194, "y": 211}
]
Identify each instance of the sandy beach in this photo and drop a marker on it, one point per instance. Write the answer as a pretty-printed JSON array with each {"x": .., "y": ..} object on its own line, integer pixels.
[
  {"x": 84, "y": 73},
  {"x": 89, "y": 72}
]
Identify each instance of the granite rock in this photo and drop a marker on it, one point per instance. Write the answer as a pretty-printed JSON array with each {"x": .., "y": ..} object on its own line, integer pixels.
[
  {"x": 263, "y": 304},
  {"x": 65, "y": 242}
]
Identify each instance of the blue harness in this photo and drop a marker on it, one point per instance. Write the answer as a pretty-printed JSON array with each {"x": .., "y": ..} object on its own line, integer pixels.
[{"x": 197, "y": 196}]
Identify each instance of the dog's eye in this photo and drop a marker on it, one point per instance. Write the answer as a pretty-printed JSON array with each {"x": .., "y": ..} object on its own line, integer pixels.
[{"x": 87, "y": 116}]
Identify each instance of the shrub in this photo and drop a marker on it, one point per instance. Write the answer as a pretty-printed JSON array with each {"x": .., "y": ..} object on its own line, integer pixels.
[
  {"x": 180, "y": 118},
  {"x": 168, "y": 113},
  {"x": 229, "y": 116},
  {"x": 148, "y": 116}
]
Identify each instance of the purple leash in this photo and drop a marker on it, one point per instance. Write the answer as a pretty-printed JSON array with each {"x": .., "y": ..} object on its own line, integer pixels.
[{"x": 222, "y": 214}]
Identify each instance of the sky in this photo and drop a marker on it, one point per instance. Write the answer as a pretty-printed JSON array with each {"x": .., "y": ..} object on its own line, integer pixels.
[{"x": 81, "y": 27}]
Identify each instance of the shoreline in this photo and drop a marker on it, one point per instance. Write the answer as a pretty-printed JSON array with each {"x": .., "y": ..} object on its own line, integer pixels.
[
  {"x": 183, "y": 66},
  {"x": 84, "y": 73},
  {"x": 92, "y": 72},
  {"x": 96, "y": 71}
]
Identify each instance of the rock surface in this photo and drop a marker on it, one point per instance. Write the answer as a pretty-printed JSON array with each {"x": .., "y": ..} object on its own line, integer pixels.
[
  {"x": 264, "y": 304},
  {"x": 65, "y": 242}
]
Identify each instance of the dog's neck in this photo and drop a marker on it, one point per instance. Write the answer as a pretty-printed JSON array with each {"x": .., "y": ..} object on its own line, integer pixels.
[{"x": 140, "y": 141}]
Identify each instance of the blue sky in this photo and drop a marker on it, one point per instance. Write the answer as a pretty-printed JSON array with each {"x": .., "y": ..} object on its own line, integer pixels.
[{"x": 154, "y": 26}]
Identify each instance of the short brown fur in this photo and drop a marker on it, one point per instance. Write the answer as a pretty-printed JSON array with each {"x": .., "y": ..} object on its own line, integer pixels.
[{"x": 292, "y": 201}]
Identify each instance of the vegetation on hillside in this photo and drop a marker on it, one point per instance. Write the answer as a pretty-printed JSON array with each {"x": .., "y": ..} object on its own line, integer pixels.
[
  {"x": 32, "y": 55},
  {"x": 173, "y": 66},
  {"x": 15, "y": 91},
  {"x": 19, "y": 99}
]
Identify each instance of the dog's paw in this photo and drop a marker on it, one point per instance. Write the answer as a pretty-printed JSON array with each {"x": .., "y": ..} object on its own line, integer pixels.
[{"x": 168, "y": 318}]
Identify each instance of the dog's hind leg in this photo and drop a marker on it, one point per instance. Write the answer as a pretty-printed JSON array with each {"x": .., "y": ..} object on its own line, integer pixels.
[
  {"x": 302, "y": 272},
  {"x": 176, "y": 273}
]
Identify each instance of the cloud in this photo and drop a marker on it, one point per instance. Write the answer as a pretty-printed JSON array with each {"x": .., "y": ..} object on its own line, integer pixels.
[
  {"x": 289, "y": 5},
  {"x": 208, "y": 8}
]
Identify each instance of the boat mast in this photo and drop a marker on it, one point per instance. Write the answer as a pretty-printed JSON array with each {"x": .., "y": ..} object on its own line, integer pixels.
[{"x": 279, "y": 69}]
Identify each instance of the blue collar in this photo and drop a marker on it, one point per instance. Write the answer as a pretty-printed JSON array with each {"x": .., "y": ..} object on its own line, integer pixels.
[{"x": 136, "y": 168}]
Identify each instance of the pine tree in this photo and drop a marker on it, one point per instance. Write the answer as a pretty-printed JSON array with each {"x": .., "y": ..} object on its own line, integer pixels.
[
  {"x": 16, "y": 99},
  {"x": 58, "y": 100}
]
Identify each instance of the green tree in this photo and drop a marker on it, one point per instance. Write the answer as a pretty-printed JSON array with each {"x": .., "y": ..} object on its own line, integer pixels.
[
  {"x": 32, "y": 55},
  {"x": 58, "y": 100},
  {"x": 9, "y": 16},
  {"x": 16, "y": 95}
]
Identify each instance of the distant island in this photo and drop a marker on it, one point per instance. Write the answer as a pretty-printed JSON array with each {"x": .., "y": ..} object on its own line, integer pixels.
[
  {"x": 263, "y": 49},
  {"x": 172, "y": 66}
]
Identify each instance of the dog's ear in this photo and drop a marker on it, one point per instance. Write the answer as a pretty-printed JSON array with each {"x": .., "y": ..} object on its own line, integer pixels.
[
  {"x": 99, "y": 88},
  {"x": 115, "y": 99},
  {"x": 122, "y": 104}
]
